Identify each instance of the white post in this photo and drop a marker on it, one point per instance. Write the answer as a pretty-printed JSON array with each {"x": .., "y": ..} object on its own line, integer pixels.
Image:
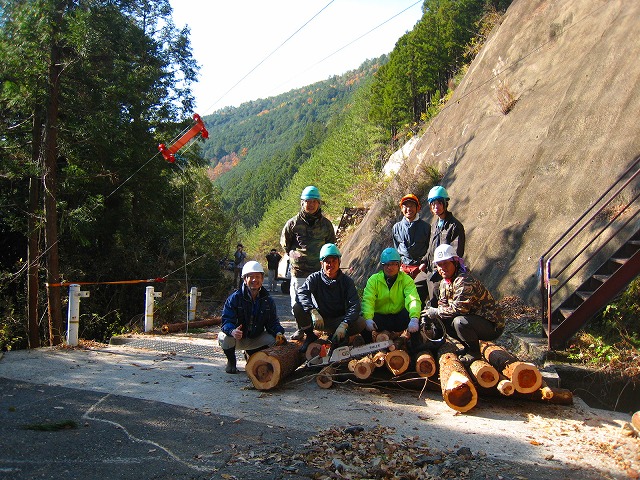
[
  {"x": 73, "y": 317},
  {"x": 193, "y": 296},
  {"x": 148, "y": 309}
]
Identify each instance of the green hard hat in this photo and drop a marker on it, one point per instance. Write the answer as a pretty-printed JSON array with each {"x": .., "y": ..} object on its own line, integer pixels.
[
  {"x": 310, "y": 193},
  {"x": 389, "y": 255},
  {"x": 436, "y": 193},
  {"x": 329, "y": 250}
]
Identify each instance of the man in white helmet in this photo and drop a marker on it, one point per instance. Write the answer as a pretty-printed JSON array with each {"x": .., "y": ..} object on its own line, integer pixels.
[
  {"x": 465, "y": 306},
  {"x": 249, "y": 318}
]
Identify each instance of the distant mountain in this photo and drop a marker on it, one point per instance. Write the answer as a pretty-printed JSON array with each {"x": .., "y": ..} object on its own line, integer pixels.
[{"x": 256, "y": 148}]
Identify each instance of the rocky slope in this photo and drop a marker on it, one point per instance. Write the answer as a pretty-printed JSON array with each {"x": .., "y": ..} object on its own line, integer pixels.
[{"x": 518, "y": 180}]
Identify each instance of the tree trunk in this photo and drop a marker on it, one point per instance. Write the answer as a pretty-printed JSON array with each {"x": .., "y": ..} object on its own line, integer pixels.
[
  {"x": 178, "y": 327},
  {"x": 33, "y": 261},
  {"x": 526, "y": 377},
  {"x": 505, "y": 386},
  {"x": 267, "y": 368},
  {"x": 456, "y": 385},
  {"x": 485, "y": 374},
  {"x": 50, "y": 147},
  {"x": 426, "y": 365},
  {"x": 558, "y": 396},
  {"x": 378, "y": 358}
]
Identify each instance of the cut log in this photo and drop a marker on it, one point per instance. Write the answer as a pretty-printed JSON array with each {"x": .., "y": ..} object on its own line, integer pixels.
[
  {"x": 457, "y": 388},
  {"x": 485, "y": 374},
  {"x": 325, "y": 378},
  {"x": 178, "y": 327},
  {"x": 397, "y": 361},
  {"x": 526, "y": 377},
  {"x": 380, "y": 336},
  {"x": 352, "y": 364},
  {"x": 364, "y": 367},
  {"x": 378, "y": 358},
  {"x": 545, "y": 391},
  {"x": 560, "y": 396},
  {"x": 426, "y": 365},
  {"x": 505, "y": 386},
  {"x": 313, "y": 350},
  {"x": 267, "y": 368}
]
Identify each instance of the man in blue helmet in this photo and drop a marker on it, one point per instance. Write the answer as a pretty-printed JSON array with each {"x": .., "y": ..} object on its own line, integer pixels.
[
  {"x": 390, "y": 300},
  {"x": 302, "y": 238},
  {"x": 328, "y": 301},
  {"x": 447, "y": 229}
]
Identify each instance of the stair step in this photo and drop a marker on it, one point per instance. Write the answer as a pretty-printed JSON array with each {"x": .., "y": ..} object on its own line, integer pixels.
[
  {"x": 583, "y": 295},
  {"x": 566, "y": 312},
  {"x": 634, "y": 242},
  {"x": 601, "y": 278},
  {"x": 621, "y": 261}
]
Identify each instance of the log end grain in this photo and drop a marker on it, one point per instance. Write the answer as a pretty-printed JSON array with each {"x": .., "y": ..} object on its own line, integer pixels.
[
  {"x": 426, "y": 365},
  {"x": 526, "y": 377},
  {"x": 397, "y": 361},
  {"x": 325, "y": 378}
]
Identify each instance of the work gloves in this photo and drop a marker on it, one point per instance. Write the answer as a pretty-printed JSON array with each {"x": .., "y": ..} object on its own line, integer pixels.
[
  {"x": 431, "y": 313},
  {"x": 318, "y": 321},
  {"x": 370, "y": 325},
  {"x": 340, "y": 333},
  {"x": 281, "y": 339},
  {"x": 414, "y": 325}
]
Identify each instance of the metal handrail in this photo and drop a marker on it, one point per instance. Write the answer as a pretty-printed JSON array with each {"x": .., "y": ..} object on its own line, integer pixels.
[{"x": 544, "y": 267}]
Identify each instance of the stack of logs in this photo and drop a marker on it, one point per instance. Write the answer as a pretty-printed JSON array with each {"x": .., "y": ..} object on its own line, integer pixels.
[{"x": 498, "y": 373}]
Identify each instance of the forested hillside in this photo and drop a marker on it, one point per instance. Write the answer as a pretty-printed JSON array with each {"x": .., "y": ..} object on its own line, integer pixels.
[{"x": 256, "y": 149}]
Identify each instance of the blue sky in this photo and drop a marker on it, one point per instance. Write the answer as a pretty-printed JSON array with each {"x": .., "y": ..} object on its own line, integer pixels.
[{"x": 230, "y": 39}]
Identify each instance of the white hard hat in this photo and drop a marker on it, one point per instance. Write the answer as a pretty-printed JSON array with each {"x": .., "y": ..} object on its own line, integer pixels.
[
  {"x": 444, "y": 252},
  {"x": 252, "y": 267}
]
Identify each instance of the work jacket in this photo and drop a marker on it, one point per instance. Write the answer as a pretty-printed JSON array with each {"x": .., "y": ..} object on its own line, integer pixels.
[
  {"x": 306, "y": 234},
  {"x": 450, "y": 232},
  {"x": 333, "y": 297},
  {"x": 379, "y": 298},
  {"x": 465, "y": 295},
  {"x": 411, "y": 239},
  {"x": 255, "y": 316}
]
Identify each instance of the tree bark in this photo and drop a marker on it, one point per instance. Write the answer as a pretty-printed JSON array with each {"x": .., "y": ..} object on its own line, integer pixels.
[
  {"x": 526, "y": 377},
  {"x": 267, "y": 368},
  {"x": 50, "y": 147}
]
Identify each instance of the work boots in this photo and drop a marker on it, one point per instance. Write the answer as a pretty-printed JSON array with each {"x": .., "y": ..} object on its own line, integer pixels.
[
  {"x": 311, "y": 337},
  {"x": 231, "y": 360}
]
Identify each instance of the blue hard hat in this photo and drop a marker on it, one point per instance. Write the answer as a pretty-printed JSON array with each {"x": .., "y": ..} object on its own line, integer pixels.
[
  {"x": 329, "y": 250},
  {"x": 310, "y": 193},
  {"x": 436, "y": 193},
  {"x": 389, "y": 255}
]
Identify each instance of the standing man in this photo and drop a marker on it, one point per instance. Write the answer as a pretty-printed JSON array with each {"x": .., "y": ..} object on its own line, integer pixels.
[
  {"x": 273, "y": 260},
  {"x": 328, "y": 301},
  {"x": 302, "y": 237},
  {"x": 249, "y": 318},
  {"x": 446, "y": 230},
  {"x": 239, "y": 258},
  {"x": 411, "y": 235}
]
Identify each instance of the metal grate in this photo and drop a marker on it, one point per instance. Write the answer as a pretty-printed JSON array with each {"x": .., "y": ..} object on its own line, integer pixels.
[{"x": 168, "y": 346}]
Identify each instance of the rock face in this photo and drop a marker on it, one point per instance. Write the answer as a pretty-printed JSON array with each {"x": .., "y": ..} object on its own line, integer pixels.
[{"x": 518, "y": 180}]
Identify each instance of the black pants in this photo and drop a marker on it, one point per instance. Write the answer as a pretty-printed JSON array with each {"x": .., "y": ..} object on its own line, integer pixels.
[
  {"x": 428, "y": 286},
  {"x": 470, "y": 329}
]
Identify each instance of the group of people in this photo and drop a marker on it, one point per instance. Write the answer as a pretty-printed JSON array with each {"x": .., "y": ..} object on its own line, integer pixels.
[{"x": 423, "y": 287}]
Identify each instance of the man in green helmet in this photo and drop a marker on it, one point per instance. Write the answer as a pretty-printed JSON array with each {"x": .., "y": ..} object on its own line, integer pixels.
[
  {"x": 302, "y": 237},
  {"x": 328, "y": 301},
  {"x": 447, "y": 229}
]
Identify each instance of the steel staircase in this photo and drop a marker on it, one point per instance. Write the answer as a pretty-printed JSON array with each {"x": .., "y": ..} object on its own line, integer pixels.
[{"x": 589, "y": 242}]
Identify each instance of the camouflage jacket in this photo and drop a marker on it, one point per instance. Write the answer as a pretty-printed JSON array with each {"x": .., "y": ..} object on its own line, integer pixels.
[
  {"x": 306, "y": 234},
  {"x": 466, "y": 295}
]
